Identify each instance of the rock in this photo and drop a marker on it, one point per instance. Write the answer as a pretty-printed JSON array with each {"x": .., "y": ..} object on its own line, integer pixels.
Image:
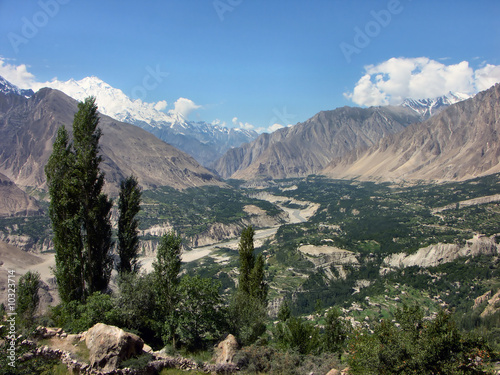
[
  {"x": 47, "y": 332},
  {"x": 226, "y": 350},
  {"x": 345, "y": 371},
  {"x": 333, "y": 371},
  {"x": 73, "y": 338},
  {"x": 110, "y": 345},
  {"x": 147, "y": 349}
]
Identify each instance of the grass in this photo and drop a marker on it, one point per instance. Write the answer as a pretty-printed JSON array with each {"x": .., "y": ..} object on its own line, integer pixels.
[{"x": 174, "y": 371}]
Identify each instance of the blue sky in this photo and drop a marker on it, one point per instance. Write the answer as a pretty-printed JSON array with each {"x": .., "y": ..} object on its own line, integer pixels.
[{"x": 258, "y": 62}]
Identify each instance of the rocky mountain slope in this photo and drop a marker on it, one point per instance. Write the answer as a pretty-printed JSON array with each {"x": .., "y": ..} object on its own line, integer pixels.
[
  {"x": 14, "y": 201},
  {"x": 205, "y": 142},
  {"x": 27, "y": 132},
  {"x": 308, "y": 147},
  {"x": 459, "y": 143}
]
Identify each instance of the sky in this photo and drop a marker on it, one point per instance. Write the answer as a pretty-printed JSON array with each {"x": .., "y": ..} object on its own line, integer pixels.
[{"x": 258, "y": 64}]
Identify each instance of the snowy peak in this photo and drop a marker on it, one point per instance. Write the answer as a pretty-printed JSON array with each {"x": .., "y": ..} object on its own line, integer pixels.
[
  {"x": 205, "y": 142},
  {"x": 429, "y": 107},
  {"x": 8, "y": 88},
  {"x": 113, "y": 102}
]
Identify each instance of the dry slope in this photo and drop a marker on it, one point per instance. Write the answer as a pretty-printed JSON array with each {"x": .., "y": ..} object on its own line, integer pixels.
[
  {"x": 27, "y": 132},
  {"x": 459, "y": 143}
]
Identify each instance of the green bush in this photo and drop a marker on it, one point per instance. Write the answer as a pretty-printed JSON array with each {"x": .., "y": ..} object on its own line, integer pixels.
[
  {"x": 137, "y": 363},
  {"x": 77, "y": 317},
  {"x": 417, "y": 346}
]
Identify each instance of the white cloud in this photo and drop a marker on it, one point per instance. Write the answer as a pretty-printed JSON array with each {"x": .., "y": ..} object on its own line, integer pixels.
[
  {"x": 391, "y": 81},
  {"x": 274, "y": 127},
  {"x": 487, "y": 76},
  {"x": 218, "y": 122},
  {"x": 17, "y": 74},
  {"x": 241, "y": 125},
  {"x": 161, "y": 105},
  {"x": 184, "y": 107}
]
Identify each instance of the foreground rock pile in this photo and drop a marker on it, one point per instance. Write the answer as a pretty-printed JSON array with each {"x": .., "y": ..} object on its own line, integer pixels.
[{"x": 109, "y": 346}]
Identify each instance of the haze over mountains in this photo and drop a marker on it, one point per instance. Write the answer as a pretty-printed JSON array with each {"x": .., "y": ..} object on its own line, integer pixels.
[{"x": 27, "y": 132}]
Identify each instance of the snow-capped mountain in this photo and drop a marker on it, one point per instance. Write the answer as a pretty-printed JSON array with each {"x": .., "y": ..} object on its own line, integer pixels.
[
  {"x": 429, "y": 107},
  {"x": 205, "y": 142},
  {"x": 8, "y": 88}
]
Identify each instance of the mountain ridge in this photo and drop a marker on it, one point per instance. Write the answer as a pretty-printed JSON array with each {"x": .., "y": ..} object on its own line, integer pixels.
[
  {"x": 27, "y": 133},
  {"x": 430, "y": 106},
  {"x": 205, "y": 142},
  {"x": 306, "y": 148},
  {"x": 459, "y": 143}
]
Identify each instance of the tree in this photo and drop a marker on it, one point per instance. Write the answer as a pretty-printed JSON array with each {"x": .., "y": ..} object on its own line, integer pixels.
[
  {"x": 202, "y": 316},
  {"x": 336, "y": 331},
  {"x": 128, "y": 239},
  {"x": 249, "y": 304},
  {"x": 417, "y": 346},
  {"x": 95, "y": 207},
  {"x": 247, "y": 260},
  {"x": 63, "y": 211},
  {"x": 27, "y": 297},
  {"x": 79, "y": 211},
  {"x": 166, "y": 281}
]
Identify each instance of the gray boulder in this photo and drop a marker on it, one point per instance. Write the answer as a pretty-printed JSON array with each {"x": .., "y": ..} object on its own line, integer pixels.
[{"x": 109, "y": 346}]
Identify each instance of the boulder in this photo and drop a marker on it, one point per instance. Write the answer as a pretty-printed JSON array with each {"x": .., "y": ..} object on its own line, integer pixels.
[
  {"x": 333, "y": 371},
  {"x": 226, "y": 350},
  {"x": 110, "y": 345}
]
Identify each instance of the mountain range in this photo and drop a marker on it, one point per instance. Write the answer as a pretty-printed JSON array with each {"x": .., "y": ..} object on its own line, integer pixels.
[
  {"x": 27, "y": 132},
  {"x": 205, "y": 142},
  {"x": 306, "y": 148},
  {"x": 378, "y": 142},
  {"x": 459, "y": 143},
  {"x": 456, "y": 133}
]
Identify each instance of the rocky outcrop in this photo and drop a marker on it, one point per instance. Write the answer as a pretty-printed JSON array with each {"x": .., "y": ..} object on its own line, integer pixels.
[
  {"x": 226, "y": 350},
  {"x": 328, "y": 255},
  {"x": 109, "y": 346},
  {"x": 25, "y": 242},
  {"x": 440, "y": 253},
  {"x": 14, "y": 201}
]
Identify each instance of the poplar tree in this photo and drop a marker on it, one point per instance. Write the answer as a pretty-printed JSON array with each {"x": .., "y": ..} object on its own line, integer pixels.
[
  {"x": 95, "y": 206},
  {"x": 63, "y": 211},
  {"x": 128, "y": 238},
  {"x": 79, "y": 211},
  {"x": 249, "y": 304},
  {"x": 166, "y": 283},
  {"x": 27, "y": 297}
]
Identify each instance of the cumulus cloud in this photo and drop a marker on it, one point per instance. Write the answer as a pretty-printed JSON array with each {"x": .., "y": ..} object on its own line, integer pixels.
[
  {"x": 161, "y": 105},
  {"x": 275, "y": 127},
  {"x": 239, "y": 124},
  {"x": 184, "y": 107},
  {"x": 487, "y": 76},
  {"x": 218, "y": 122},
  {"x": 17, "y": 74},
  {"x": 396, "y": 79}
]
